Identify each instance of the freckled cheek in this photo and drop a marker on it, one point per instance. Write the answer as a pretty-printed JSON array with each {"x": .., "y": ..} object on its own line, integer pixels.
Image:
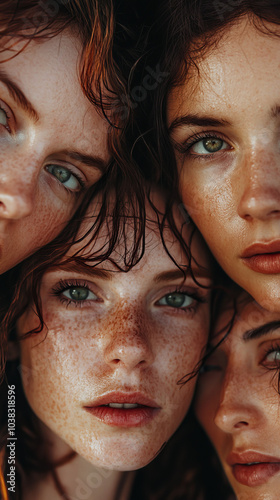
[
  {"x": 178, "y": 358},
  {"x": 204, "y": 198}
]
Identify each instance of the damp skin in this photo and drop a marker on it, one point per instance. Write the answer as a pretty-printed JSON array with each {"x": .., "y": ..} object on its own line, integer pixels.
[
  {"x": 237, "y": 400},
  {"x": 43, "y": 173},
  {"x": 127, "y": 340},
  {"x": 232, "y": 191}
]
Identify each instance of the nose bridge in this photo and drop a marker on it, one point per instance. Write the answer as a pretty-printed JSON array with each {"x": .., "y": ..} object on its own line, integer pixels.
[
  {"x": 238, "y": 403},
  {"x": 259, "y": 184},
  {"x": 18, "y": 183},
  {"x": 127, "y": 340}
]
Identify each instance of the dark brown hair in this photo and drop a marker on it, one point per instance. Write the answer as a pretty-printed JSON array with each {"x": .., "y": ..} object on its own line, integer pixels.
[
  {"x": 20, "y": 287},
  {"x": 183, "y": 31},
  {"x": 108, "y": 50}
]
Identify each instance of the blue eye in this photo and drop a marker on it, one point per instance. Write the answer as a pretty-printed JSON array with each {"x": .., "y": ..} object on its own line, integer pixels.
[
  {"x": 177, "y": 300},
  {"x": 209, "y": 145},
  {"x": 65, "y": 176},
  {"x": 79, "y": 294}
]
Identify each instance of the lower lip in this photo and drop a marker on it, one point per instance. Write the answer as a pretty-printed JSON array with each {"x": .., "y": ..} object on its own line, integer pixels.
[
  {"x": 134, "y": 417},
  {"x": 255, "y": 475},
  {"x": 266, "y": 263}
]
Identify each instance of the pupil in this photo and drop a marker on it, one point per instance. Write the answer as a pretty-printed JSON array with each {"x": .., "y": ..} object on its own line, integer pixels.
[
  {"x": 61, "y": 173},
  {"x": 212, "y": 145},
  {"x": 175, "y": 300},
  {"x": 78, "y": 293}
]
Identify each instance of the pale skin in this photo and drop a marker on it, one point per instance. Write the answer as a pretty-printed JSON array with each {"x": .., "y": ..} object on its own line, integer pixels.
[
  {"x": 237, "y": 399},
  {"x": 126, "y": 335},
  {"x": 224, "y": 124},
  {"x": 53, "y": 144}
]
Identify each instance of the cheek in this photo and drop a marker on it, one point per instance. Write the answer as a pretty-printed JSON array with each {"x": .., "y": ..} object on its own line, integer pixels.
[
  {"x": 178, "y": 360},
  {"x": 207, "y": 196},
  {"x": 46, "y": 221}
]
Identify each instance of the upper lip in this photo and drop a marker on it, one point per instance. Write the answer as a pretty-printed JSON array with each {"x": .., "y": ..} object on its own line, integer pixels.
[
  {"x": 261, "y": 248},
  {"x": 248, "y": 457},
  {"x": 123, "y": 397}
]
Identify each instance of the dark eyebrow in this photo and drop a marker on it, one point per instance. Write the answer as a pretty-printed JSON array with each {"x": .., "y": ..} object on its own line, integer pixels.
[
  {"x": 19, "y": 96},
  {"x": 76, "y": 267},
  {"x": 262, "y": 330},
  {"x": 89, "y": 160},
  {"x": 176, "y": 274},
  {"x": 201, "y": 121}
]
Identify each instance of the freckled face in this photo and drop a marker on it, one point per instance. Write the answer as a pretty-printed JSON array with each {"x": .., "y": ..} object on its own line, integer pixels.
[
  {"x": 237, "y": 401},
  {"x": 43, "y": 173},
  {"x": 225, "y": 126},
  {"x": 116, "y": 335}
]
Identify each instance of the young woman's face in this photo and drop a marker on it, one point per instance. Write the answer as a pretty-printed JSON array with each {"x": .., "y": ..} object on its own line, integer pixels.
[
  {"x": 237, "y": 401},
  {"x": 225, "y": 124},
  {"x": 103, "y": 374},
  {"x": 53, "y": 144}
]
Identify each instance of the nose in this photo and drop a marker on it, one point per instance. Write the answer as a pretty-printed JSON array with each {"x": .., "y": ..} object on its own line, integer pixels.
[
  {"x": 18, "y": 183},
  {"x": 15, "y": 205},
  {"x": 128, "y": 343},
  {"x": 238, "y": 409},
  {"x": 259, "y": 187}
]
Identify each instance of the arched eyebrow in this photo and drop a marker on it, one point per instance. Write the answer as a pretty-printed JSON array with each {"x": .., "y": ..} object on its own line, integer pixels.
[
  {"x": 87, "y": 270},
  {"x": 261, "y": 331},
  {"x": 177, "y": 274},
  {"x": 18, "y": 96},
  {"x": 196, "y": 120}
]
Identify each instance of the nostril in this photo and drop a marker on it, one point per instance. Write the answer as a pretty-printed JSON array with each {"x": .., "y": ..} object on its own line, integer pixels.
[{"x": 241, "y": 424}]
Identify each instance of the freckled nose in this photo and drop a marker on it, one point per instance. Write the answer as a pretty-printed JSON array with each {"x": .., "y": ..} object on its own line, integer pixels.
[
  {"x": 128, "y": 346},
  {"x": 259, "y": 190},
  {"x": 15, "y": 206}
]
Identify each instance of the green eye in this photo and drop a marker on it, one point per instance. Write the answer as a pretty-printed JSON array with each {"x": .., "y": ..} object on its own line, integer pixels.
[
  {"x": 212, "y": 145},
  {"x": 209, "y": 145},
  {"x": 65, "y": 176},
  {"x": 79, "y": 294},
  {"x": 176, "y": 299}
]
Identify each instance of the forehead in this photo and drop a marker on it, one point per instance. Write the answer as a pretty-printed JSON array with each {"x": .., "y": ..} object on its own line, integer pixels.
[
  {"x": 249, "y": 315},
  {"x": 48, "y": 73},
  {"x": 242, "y": 52},
  {"x": 155, "y": 254}
]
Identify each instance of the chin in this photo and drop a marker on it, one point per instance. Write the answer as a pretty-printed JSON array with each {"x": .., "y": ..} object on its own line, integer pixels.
[
  {"x": 268, "y": 296},
  {"x": 124, "y": 458}
]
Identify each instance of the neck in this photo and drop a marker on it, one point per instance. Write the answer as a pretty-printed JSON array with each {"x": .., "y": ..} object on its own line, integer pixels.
[
  {"x": 79, "y": 479},
  {"x": 76, "y": 478}
]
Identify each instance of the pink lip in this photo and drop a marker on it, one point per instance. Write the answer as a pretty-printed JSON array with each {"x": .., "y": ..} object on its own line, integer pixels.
[
  {"x": 263, "y": 257},
  {"x": 262, "y": 469},
  {"x": 123, "y": 417}
]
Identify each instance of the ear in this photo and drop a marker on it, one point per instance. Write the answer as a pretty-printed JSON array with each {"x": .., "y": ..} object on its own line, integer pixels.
[{"x": 13, "y": 350}]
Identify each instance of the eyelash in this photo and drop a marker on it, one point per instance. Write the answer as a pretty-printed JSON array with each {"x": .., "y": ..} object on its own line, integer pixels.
[
  {"x": 189, "y": 143},
  {"x": 76, "y": 175},
  {"x": 194, "y": 295},
  {"x": 64, "y": 285},
  {"x": 269, "y": 350}
]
